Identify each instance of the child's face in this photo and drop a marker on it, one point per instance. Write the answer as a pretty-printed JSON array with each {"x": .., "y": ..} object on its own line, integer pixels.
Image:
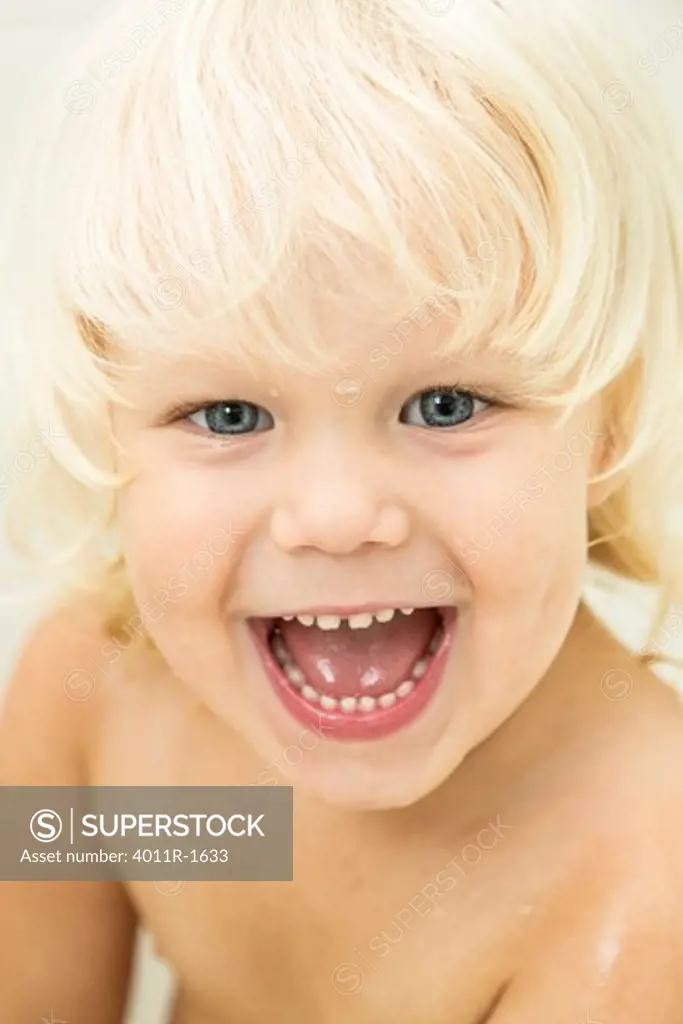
[{"x": 351, "y": 492}]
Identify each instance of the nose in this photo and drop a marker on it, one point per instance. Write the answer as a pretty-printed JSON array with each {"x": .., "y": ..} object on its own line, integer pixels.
[{"x": 338, "y": 504}]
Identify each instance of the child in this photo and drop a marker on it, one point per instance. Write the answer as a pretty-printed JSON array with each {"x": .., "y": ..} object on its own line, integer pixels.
[{"x": 431, "y": 254}]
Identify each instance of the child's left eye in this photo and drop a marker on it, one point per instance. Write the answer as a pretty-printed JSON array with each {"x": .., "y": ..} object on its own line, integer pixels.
[
  {"x": 442, "y": 407},
  {"x": 232, "y": 417}
]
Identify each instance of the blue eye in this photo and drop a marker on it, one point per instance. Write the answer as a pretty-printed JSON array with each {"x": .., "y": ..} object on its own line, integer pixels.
[
  {"x": 231, "y": 418},
  {"x": 442, "y": 407}
]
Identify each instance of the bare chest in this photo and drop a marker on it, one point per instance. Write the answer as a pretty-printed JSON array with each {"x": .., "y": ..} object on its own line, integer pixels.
[
  {"x": 418, "y": 924},
  {"x": 430, "y": 938},
  {"x": 299, "y": 955}
]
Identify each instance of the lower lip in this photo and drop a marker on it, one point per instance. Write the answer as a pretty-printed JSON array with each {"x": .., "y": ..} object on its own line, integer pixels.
[{"x": 369, "y": 725}]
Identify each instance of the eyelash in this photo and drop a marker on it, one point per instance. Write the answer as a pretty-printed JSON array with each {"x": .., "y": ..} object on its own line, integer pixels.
[
  {"x": 466, "y": 393},
  {"x": 492, "y": 399},
  {"x": 180, "y": 412},
  {"x": 482, "y": 394},
  {"x": 479, "y": 396}
]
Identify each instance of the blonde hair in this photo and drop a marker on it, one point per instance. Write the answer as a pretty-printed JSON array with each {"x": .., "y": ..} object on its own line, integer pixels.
[{"x": 202, "y": 151}]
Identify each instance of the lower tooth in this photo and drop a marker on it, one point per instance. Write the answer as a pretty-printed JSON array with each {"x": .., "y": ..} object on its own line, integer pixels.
[
  {"x": 419, "y": 668},
  {"x": 405, "y": 688},
  {"x": 295, "y": 675},
  {"x": 329, "y": 703},
  {"x": 435, "y": 641},
  {"x": 309, "y": 693},
  {"x": 348, "y": 704},
  {"x": 387, "y": 700},
  {"x": 280, "y": 650},
  {"x": 366, "y": 703}
]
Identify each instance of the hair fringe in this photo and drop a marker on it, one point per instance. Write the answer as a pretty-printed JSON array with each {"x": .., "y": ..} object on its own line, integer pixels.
[{"x": 239, "y": 146}]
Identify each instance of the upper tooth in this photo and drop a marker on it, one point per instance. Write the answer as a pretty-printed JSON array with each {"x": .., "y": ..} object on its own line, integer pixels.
[
  {"x": 361, "y": 621},
  {"x": 328, "y": 621}
]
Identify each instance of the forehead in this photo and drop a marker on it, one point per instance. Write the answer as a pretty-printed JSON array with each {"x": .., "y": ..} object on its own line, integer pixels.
[{"x": 324, "y": 316}]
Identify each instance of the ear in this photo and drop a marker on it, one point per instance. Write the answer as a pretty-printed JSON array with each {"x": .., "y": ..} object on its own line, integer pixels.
[{"x": 605, "y": 454}]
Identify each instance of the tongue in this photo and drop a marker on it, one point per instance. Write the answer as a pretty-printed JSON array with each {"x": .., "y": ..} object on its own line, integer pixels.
[{"x": 348, "y": 662}]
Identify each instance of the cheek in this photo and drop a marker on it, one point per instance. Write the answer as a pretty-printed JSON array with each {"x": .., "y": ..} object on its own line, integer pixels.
[
  {"x": 180, "y": 528},
  {"x": 522, "y": 522}
]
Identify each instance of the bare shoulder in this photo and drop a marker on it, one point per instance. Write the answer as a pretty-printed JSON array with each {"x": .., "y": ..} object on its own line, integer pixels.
[
  {"x": 607, "y": 943},
  {"x": 611, "y": 948},
  {"x": 47, "y": 714},
  {"x": 50, "y": 930}
]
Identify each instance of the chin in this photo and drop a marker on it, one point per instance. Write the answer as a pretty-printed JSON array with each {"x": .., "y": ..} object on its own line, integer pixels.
[
  {"x": 351, "y": 788},
  {"x": 385, "y": 775}
]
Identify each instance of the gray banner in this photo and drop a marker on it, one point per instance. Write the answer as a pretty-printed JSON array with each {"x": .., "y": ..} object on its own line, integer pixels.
[{"x": 146, "y": 833}]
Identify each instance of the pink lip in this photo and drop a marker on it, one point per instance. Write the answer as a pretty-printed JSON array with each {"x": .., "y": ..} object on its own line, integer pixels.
[
  {"x": 358, "y": 725},
  {"x": 345, "y": 611}
]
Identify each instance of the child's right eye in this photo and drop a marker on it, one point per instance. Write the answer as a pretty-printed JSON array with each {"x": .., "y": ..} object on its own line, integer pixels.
[{"x": 231, "y": 417}]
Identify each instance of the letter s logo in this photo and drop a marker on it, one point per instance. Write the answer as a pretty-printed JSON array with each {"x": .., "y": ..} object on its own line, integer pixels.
[{"x": 46, "y": 826}]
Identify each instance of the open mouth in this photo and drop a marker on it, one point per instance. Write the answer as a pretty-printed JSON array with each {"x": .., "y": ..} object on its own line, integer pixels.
[{"x": 361, "y": 675}]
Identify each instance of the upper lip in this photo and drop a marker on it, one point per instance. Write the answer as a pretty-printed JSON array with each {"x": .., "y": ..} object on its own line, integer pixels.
[{"x": 345, "y": 611}]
